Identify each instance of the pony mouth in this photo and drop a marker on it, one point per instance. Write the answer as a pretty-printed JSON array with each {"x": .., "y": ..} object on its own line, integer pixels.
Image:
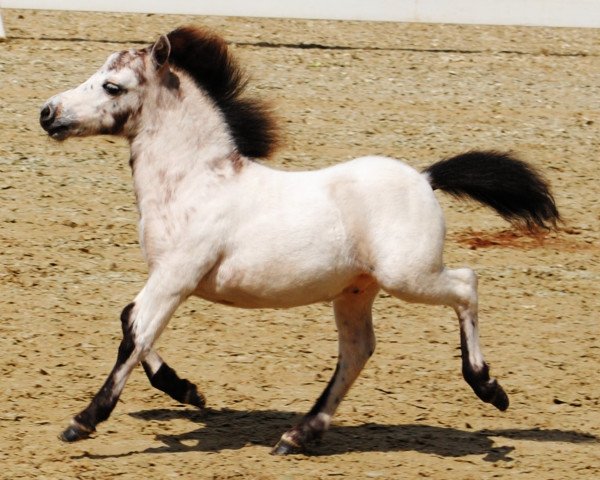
[{"x": 59, "y": 132}]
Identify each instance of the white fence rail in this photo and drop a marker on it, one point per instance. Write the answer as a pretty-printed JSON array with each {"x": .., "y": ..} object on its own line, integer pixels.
[
  {"x": 2, "y": 33},
  {"x": 554, "y": 13}
]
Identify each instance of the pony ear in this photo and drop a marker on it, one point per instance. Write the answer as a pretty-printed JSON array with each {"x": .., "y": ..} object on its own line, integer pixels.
[{"x": 161, "y": 51}]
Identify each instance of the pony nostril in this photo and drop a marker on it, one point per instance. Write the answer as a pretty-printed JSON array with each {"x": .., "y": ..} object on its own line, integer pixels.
[
  {"x": 47, "y": 115},
  {"x": 46, "y": 112}
]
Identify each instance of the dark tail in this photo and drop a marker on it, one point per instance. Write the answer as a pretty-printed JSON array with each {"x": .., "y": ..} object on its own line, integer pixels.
[{"x": 508, "y": 185}]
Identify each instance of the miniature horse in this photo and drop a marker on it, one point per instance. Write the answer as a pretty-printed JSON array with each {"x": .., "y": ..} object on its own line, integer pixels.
[{"x": 216, "y": 224}]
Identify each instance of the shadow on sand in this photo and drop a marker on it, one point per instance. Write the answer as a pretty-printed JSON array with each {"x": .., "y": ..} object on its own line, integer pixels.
[{"x": 233, "y": 429}]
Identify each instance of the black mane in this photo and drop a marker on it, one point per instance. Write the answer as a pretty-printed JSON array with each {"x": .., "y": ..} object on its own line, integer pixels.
[{"x": 207, "y": 59}]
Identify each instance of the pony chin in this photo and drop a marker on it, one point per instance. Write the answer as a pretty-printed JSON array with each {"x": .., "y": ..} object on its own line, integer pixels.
[{"x": 60, "y": 133}]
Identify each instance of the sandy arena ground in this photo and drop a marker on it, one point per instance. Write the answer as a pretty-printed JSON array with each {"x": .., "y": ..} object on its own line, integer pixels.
[{"x": 69, "y": 262}]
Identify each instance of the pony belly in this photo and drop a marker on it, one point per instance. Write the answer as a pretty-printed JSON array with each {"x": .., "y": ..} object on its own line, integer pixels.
[
  {"x": 278, "y": 292},
  {"x": 269, "y": 297}
]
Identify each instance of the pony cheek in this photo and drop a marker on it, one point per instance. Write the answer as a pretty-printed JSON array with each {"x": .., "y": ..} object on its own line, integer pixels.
[{"x": 115, "y": 124}]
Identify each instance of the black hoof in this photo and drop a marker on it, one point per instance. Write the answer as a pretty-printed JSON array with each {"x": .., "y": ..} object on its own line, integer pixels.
[
  {"x": 74, "y": 433},
  {"x": 193, "y": 397},
  {"x": 500, "y": 399},
  {"x": 490, "y": 391},
  {"x": 285, "y": 447}
]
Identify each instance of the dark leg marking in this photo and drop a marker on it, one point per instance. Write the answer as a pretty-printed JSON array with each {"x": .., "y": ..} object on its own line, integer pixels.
[
  {"x": 310, "y": 428},
  {"x": 322, "y": 400},
  {"x": 167, "y": 380},
  {"x": 488, "y": 390},
  {"x": 104, "y": 401}
]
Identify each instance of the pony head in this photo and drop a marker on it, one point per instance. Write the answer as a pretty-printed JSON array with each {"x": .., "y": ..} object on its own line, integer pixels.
[
  {"x": 150, "y": 80},
  {"x": 109, "y": 102}
]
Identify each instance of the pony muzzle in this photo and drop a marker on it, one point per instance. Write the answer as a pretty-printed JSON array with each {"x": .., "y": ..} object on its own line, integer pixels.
[{"x": 56, "y": 126}]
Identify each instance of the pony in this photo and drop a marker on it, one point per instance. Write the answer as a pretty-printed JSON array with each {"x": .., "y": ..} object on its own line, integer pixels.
[{"x": 216, "y": 223}]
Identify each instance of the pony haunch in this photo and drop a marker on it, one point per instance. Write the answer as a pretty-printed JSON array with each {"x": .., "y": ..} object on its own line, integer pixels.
[{"x": 216, "y": 224}]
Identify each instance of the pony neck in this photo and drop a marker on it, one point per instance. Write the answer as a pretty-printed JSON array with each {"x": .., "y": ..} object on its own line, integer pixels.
[{"x": 180, "y": 127}]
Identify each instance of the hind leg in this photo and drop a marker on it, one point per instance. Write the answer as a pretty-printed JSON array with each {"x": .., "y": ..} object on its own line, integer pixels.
[
  {"x": 474, "y": 368},
  {"x": 164, "y": 378},
  {"x": 458, "y": 289}
]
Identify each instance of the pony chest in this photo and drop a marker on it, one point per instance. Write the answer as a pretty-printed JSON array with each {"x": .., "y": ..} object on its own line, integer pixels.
[{"x": 165, "y": 229}]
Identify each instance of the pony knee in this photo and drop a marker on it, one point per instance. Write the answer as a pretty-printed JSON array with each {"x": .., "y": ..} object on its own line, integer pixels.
[
  {"x": 132, "y": 343},
  {"x": 127, "y": 345}
]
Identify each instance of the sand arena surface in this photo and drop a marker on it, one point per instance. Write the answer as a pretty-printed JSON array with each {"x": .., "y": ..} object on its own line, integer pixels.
[{"x": 69, "y": 262}]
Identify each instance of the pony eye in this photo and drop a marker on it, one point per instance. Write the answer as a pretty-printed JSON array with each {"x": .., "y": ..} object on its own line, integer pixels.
[{"x": 112, "y": 88}]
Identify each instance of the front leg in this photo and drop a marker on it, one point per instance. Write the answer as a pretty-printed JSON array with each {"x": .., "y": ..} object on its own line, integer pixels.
[
  {"x": 164, "y": 378},
  {"x": 99, "y": 409},
  {"x": 142, "y": 322},
  {"x": 356, "y": 344}
]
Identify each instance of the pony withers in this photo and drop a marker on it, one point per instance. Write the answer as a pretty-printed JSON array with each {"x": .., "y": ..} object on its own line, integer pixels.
[{"x": 216, "y": 224}]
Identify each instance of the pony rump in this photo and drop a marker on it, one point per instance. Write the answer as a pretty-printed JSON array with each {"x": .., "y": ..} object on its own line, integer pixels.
[{"x": 206, "y": 57}]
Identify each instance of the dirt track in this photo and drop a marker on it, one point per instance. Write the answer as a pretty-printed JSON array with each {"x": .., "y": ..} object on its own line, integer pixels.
[{"x": 69, "y": 262}]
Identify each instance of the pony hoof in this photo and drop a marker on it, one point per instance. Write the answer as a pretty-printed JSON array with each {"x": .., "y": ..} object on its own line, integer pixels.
[
  {"x": 285, "y": 447},
  {"x": 500, "y": 399},
  {"x": 73, "y": 433},
  {"x": 195, "y": 398}
]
